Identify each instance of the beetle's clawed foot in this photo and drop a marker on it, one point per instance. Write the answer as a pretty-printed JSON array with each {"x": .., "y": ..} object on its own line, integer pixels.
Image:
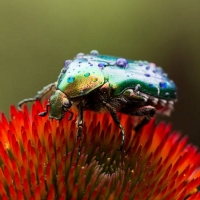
[
  {"x": 43, "y": 114},
  {"x": 71, "y": 115},
  {"x": 120, "y": 148}
]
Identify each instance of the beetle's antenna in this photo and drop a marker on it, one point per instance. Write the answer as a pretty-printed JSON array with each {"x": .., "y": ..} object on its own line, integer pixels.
[{"x": 44, "y": 113}]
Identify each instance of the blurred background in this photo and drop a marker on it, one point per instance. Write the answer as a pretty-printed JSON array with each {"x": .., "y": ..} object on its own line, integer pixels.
[{"x": 36, "y": 37}]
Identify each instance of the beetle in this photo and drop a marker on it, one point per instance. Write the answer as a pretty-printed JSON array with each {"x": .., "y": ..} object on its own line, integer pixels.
[{"x": 107, "y": 83}]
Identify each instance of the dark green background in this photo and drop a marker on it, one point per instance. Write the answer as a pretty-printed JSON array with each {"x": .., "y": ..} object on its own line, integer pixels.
[{"x": 37, "y": 36}]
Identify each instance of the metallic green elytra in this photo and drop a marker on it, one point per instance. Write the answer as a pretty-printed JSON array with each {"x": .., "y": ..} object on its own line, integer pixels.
[{"x": 107, "y": 83}]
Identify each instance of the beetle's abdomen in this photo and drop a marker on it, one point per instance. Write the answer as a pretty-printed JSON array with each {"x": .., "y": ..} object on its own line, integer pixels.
[
  {"x": 141, "y": 76},
  {"x": 80, "y": 78}
]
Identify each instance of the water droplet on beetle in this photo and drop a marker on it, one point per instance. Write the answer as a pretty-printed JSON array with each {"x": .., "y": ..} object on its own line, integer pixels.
[
  {"x": 164, "y": 74},
  {"x": 150, "y": 85},
  {"x": 167, "y": 94},
  {"x": 163, "y": 85},
  {"x": 67, "y": 62},
  {"x": 70, "y": 79},
  {"x": 101, "y": 65},
  {"x": 140, "y": 63},
  {"x": 87, "y": 74},
  {"x": 147, "y": 67},
  {"x": 154, "y": 71},
  {"x": 145, "y": 62},
  {"x": 94, "y": 52},
  {"x": 121, "y": 62},
  {"x": 147, "y": 75},
  {"x": 80, "y": 55},
  {"x": 94, "y": 79}
]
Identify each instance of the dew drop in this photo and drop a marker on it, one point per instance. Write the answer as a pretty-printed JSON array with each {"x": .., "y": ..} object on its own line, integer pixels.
[
  {"x": 140, "y": 63},
  {"x": 67, "y": 62},
  {"x": 94, "y": 79},
  {"x": 87, "y": 74},
  {"x": 70, "y": 79},
  {"x": 150, "y": 85},
  {"x": 147, "y": 75},
  {"x": 147, "y": 67},
  {"x": 121, "y": 62},
  {"x": 94, "y": 52},
  {"x": 167, "y": 94},
  {"x": 163, "y": 85},
  {"x": 165, "y": 75},
  {"x": 101, "y": 65},
  {"x": 80, "y": 55}
]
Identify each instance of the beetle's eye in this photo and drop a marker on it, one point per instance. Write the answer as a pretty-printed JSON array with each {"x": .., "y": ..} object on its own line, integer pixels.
[{"x": 66, "y": 103}]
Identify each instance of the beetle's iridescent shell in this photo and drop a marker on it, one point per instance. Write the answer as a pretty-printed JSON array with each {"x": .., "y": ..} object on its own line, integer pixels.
[
  {"x": 140, "y": 75},
  {"x": 87, "y": 72}
]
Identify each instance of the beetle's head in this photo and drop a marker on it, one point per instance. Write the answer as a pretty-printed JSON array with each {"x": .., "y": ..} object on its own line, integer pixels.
[{"x": 59, "y": 104}]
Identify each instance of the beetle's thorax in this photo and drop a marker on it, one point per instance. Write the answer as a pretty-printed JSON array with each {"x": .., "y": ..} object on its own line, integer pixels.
[{"x": 80, "y": 78}]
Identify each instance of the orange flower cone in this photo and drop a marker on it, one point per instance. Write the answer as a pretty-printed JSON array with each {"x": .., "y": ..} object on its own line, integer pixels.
[{"x": 39, "y": 159}]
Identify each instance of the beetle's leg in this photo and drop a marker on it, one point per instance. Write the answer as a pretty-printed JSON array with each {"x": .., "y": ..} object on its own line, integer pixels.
[
  {"x": 117, "y": 121},
  {"x": 80, "y": 124},
  {"x": 80, "y": 120},
  {"x": 147, "y": 111},
  {"x": 44, "y": 113},
  {"x": 40, "y": 94}
]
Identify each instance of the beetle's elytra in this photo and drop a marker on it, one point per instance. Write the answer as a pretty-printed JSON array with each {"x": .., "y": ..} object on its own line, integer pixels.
[{"x": 107, "y": 83}]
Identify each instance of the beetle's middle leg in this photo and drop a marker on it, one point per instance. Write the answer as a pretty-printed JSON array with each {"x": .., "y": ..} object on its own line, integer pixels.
[
  {"x": 147, "y": 111},
  {"x": 80, "y": 120},
  {"x": 117, "y": 121}
]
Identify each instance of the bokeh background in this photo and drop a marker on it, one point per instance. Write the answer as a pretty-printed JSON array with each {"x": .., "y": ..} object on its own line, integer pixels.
[{"x": 37, "y": 36}]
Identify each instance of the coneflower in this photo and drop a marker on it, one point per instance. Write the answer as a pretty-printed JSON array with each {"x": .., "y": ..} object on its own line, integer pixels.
[{"x": 40, "y": 159}]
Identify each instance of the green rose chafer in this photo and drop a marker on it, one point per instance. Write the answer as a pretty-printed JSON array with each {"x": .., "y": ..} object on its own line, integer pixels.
[{"x": 107, "y": 83}]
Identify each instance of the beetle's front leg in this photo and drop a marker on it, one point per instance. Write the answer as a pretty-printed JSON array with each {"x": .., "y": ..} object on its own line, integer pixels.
[
  {"x": 147, "y": 111},
  {"x": 42, "y": 93},
  {"x": 112, "y": 112}
]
